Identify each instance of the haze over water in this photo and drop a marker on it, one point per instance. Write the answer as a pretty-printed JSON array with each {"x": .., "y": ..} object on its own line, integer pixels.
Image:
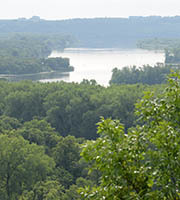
[{"x": 98, "y": 63}]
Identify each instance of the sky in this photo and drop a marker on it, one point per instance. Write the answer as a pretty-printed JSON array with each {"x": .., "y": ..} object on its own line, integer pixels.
[{"x": 68, "y": 9}]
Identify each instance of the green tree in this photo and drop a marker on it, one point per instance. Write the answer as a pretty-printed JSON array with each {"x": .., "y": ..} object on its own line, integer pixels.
[
  {"x": 162, "y": 122},
  {"x": 67, "y": 155},
  {"x": 118, "y": 157},
  {"x": 46, "y": 190},
  {"x": 24, "y": 105},
  {"x": 145, "y": 163},
  {"x": 39, "y": 132},
  {"x": 8, "y": 123},
  {"x": 21, "y": 166},
  {"x": 147, "y": 74}
]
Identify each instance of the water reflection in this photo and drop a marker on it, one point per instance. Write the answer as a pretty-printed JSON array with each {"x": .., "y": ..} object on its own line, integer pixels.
[{"x": 42, "y": 77}]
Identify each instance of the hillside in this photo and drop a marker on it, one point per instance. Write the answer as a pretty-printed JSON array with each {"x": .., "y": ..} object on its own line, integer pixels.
[{"x": 100, "y": 32}]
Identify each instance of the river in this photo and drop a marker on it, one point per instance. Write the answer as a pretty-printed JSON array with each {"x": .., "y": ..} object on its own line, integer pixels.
[{"x": 96, "y": 64}]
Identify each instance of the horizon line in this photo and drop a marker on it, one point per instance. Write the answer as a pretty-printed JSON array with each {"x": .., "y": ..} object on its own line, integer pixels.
[{"x": 36, "y": 17}]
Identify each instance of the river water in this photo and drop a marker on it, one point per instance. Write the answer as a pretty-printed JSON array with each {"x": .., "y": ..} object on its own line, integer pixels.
[
  {"x": 95, "y": 64},
  {"x": 98, "y": 63}
]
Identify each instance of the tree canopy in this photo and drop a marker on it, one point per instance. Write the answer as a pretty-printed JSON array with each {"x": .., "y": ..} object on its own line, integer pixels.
[
  {"x": 48, "y": 140},
  {"x": 27, "y": 53},
  {"x": 146, "y": 75},
  {"x": 21, "y": 165},
  {"x": 144, "y": 163}
]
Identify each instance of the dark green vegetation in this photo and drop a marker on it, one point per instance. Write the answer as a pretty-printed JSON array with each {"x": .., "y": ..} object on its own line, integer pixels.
[
  {"x": 100, "y": 32},
  {"x": 145, "y": 163},
  {"x": 70, "y": 108},
  {"x": 145, "y": 75},
  {"x": 28, "y": 45},
  {"x": 39, "y": 155},
  {"x": 26, "y": 53},
  {"x": 13, "y": 65},
  {"x": 44, "y": 128}
]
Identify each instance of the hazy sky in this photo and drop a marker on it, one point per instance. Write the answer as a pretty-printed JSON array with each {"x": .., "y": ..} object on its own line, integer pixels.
[{"x": 63, "y": 9}]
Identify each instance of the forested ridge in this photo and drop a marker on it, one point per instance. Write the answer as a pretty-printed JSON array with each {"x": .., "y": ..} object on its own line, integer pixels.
[
  {"x": 100, "y": 32},
  {"x": 159, "y": 43}
]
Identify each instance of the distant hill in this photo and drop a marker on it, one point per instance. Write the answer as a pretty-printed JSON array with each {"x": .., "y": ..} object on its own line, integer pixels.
[{"x": 100, "y": 32}]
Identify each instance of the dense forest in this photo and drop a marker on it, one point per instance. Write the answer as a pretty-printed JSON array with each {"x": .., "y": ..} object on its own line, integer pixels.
[
  {"x": 28, "y": 53},
  {"x": 99, "y": 32},
  {"x": 70, "y": 108},
  {"x": 146, "y": 74},
  {"x": 38, "y": 155},
  {"x": 51, "y": 146}
]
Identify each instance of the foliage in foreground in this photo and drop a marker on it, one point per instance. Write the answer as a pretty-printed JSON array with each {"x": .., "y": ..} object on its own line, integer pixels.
[{"x": 145, "y": 163}]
